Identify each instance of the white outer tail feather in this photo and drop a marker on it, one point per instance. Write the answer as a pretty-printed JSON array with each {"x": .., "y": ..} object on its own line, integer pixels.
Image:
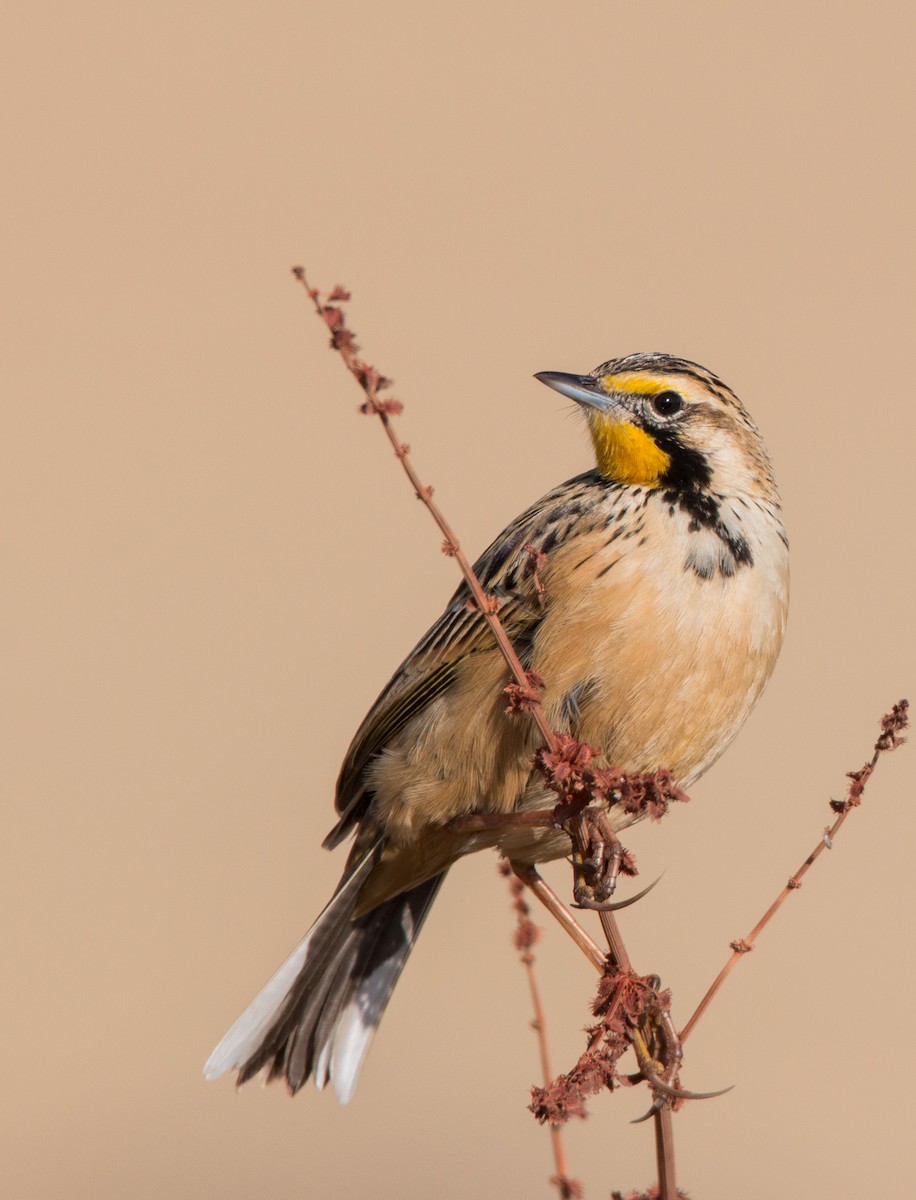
[{"x": 247, "y": 1033}]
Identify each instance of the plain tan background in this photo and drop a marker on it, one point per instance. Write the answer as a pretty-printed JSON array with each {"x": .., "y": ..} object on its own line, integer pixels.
[{"x": 212, "y": 566}]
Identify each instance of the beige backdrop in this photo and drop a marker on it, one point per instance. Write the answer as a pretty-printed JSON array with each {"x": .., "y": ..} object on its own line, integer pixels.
[{"x": 211, "y": 564}]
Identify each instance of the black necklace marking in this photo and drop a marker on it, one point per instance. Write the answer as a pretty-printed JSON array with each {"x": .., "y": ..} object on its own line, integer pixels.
[
  {"x": 685, "y": 487},
  {"x": 688, "y": 470}
]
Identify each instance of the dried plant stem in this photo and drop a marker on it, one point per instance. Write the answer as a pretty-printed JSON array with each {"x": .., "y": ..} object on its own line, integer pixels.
[
  {"x": 664, "y": 1153},
  {"x": 617, "y": 951},
  {"x": 372, "y": 383},
  {"x": 891, "y": 726},
  {"x": 526, "y": 934},
  {"x": 537, "y": 885},
  {"x": 616, "y": 968},
  {"x": 662, "y": 1118}
]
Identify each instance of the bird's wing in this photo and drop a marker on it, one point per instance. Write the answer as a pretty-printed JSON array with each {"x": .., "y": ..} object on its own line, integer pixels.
[
  {"x": 507, "y": 570},
  {"x": 424, "y": 675}
]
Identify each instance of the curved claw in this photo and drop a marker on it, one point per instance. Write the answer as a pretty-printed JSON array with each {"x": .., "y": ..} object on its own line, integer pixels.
[
  {"x": 658, "y": 1103},
  {"x": 679, "y": 1095},
  {"x": 656, "y": 1107},
  {"x": 614, "y": 905},
  {"x": 659, "y": 1085}
]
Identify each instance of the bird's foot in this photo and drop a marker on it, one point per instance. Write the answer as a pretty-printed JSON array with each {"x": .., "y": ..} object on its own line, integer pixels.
[
  {"x": 659, "y": 1055},
  {"x": 598, "y": 857}
]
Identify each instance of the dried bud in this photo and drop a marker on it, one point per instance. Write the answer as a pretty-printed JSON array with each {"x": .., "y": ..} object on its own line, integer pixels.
[
  {"x": 857, "y": 787},
  {"x": 523, "y": 699},
  {"x": 343, "y": 340},
  {"x": 622, "y": 1001},
  {"x": 892, "y": 725}
]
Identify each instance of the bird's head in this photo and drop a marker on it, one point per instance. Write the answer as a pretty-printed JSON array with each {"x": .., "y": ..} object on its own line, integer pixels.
[{"x": 662, "y": 422}]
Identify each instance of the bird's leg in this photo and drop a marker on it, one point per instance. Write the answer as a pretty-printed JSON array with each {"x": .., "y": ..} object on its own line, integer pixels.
[
  {"x": 482, "y": 822},
  {"x": 597, "y": 857},
  {"x": 656, "y": 1043},
  {"x": 672, "y": 1050},
  {"x": 659, "y": 1053},
  {"x": 531, "y": 878},
  {"x": 598, "y": 854}
]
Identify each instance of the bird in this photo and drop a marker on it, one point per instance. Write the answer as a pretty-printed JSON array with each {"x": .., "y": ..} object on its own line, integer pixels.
[{"x": 654, "y": 618}]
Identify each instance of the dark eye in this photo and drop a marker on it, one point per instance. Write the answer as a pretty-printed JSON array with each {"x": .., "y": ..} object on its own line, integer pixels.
[{"x": 666, "y": 404}]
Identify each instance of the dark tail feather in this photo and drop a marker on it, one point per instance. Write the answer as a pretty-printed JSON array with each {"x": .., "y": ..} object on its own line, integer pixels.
[{"x": 318, "y": 1013}]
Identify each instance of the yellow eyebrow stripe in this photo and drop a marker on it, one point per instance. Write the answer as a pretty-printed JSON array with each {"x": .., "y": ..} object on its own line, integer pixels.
[{"x": 643, "y": 385}]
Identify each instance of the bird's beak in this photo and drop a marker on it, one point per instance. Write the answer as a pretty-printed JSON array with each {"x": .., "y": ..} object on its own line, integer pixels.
[{"x": 584, "y": 389}]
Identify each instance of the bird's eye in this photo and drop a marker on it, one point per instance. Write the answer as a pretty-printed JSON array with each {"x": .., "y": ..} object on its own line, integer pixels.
[{"x": 666, "y": 404}]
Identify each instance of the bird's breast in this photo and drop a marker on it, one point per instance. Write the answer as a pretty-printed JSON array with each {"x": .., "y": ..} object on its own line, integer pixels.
[
  {"x": 642, "y": 656},
  {"x": 652, "y": 660}
]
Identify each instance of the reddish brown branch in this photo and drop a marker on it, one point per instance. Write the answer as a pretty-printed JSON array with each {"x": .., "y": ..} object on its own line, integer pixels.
[
  {"x": 664, "y": 1155},
  {"x": 892, "y": 726},
  {"x": 563, "y": 761},
  {"x": 372, "y": 383},
  {"x": 626, "y": 1002},
  {"x": 526, "y": 935}
]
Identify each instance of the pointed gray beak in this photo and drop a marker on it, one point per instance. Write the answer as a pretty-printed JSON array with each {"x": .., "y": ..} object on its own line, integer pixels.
[{"x": 583, "y": 389}]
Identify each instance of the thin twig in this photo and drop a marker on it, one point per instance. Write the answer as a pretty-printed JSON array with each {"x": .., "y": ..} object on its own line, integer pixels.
[
  {"x": 371, "y": 383},
  {"x": 617, "y": 951},
  {"x": 538, "y": 886},
  {"x": 892, "y": 725},
  {"x": 525, "y": 691},
  {"x": 526, "y": 935},
  {"x": 664, "y": 1153}
]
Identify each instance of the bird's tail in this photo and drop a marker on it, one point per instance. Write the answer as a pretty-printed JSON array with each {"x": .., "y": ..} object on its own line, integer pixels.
[{"x": 318, "y": 1013}]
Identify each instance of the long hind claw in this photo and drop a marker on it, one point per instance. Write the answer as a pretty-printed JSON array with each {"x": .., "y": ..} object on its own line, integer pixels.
[
  {"x": 659, "y": 1085},
  {"x": 615, "y": 905}
]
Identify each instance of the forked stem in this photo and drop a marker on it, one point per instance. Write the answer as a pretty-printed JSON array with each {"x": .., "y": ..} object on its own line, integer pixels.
[{"x": 527, "y": 933}]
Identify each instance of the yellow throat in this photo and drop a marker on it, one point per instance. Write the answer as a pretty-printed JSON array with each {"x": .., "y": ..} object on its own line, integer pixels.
[{"x": 626, "y": 453}]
